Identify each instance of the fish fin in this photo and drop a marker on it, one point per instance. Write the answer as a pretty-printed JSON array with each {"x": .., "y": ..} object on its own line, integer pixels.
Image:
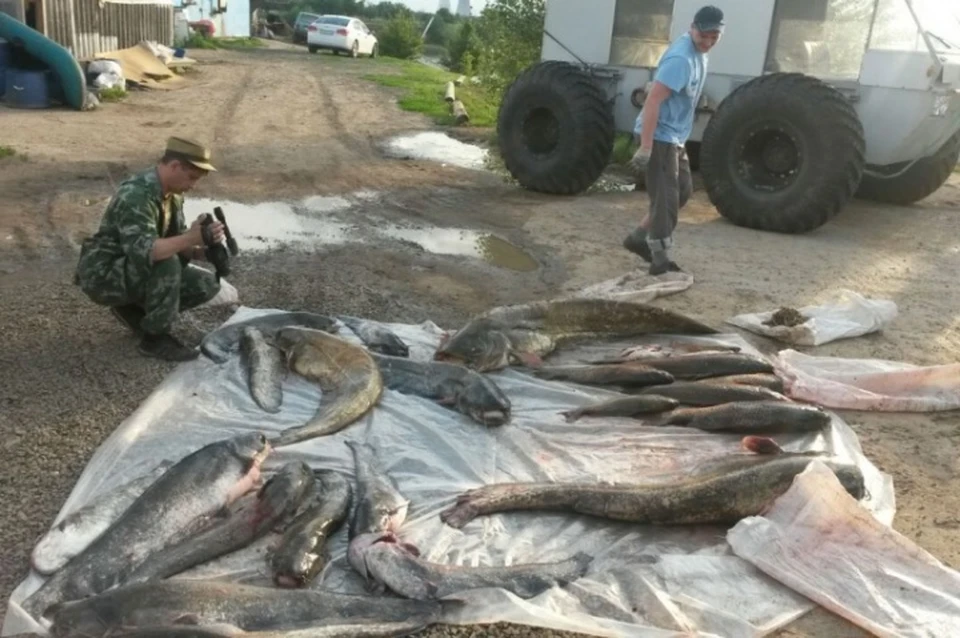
[
  {"x": 410, "y": 547},
  {"x": 187, "y": 619},
  {"x": 431, "y": 589},
  {"x": 571, "y": 415},
  {"x": 446, "y": 401}
]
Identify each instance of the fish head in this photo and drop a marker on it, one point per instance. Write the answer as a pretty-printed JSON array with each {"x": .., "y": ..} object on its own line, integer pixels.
[
  {"x": 390, "y": 516},
  {"x": 479, "y": 345},
  {"x": 851, "y": 478},
  {"x": 318, "y": 322},
  {"x": 483, "y": 401},
  {"x": 357, "y": 550},
  {"x": 302, "y": 572},
  {"x": 391, "y": 345},
  {"x": 286, "y": 487}
]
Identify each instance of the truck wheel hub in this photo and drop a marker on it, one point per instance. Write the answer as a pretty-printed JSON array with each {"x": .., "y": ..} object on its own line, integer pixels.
[
  {"x": 769, "y": 158},
  {"x": 541, "y": 131}
]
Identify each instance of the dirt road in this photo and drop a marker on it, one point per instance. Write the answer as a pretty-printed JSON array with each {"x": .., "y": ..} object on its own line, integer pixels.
[{"x": 285, "y": 125}]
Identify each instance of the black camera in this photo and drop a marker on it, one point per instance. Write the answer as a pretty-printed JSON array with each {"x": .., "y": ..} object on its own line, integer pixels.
[{"x": 216, "y": 253}]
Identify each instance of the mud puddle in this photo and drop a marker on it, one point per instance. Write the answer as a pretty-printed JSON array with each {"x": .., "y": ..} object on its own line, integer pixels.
[
  {"x": 329, "y": 221},
  {"x": 437, "y": 147},
  {"x": 466, "y": 243}
]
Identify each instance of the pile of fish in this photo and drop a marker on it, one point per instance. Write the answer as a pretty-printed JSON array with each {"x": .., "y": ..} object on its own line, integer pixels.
[
  {"x": 116, "y": 565},
  {"x": 121, "y": 573}
]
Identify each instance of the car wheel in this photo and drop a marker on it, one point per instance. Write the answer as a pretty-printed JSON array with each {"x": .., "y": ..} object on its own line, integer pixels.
[
  {"x": 312, "y": 49},
  {"x": 375, "y": 51},
  {"x": 355, "y": 49}
]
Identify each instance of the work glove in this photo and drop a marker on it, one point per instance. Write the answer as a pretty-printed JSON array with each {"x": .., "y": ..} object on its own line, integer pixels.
[{"x": 640, "y": 159}]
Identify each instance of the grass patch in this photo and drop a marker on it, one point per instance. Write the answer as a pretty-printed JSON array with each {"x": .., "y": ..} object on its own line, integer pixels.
[
  {"x": 113, "y": 94},
  {"x": 622, "y": 149},
  {"x": 197, "y": 41},
  {"x": 6, "y": 151},
  {"x": 423, "y": 89}
]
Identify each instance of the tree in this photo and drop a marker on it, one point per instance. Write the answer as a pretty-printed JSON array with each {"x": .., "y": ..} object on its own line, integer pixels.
[
  {"x": 511, "y": 33},
  {"x": 401, "y": 36},
  {"x": 465, "y": 41}
]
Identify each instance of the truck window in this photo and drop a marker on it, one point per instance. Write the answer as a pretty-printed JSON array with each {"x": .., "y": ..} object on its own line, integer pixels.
[
  {"x": 641, "y": 32},
  {"x": 823, "y": 38}
]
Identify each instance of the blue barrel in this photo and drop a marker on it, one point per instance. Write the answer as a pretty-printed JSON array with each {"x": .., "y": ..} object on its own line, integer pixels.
[
  {"x": 4, "y": 64},
  {"x": 27, "y": 89}
]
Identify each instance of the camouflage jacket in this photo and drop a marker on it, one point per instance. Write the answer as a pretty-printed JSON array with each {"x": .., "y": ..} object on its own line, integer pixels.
[{"x": 133, "y": 220}]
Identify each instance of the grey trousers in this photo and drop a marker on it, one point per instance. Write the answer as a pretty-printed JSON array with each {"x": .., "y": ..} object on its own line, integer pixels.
[{"x": 669, "y": 185}]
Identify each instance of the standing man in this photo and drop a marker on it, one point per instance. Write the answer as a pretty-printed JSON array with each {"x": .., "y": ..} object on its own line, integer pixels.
[
  {"x": 136, "y": 263},
  {"x": 663, "y": 127}
]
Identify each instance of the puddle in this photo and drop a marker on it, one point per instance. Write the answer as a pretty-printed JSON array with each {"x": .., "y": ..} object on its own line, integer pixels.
[
  {"x": 467, "y": 243},
  {"x": 270, "y": 225},
  {"x": 313, "y": 222},
  {"x": 438, "y": 147}
]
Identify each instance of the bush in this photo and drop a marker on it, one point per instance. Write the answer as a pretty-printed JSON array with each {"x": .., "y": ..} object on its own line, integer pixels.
[
  {"x": 401, "y": 37},
  {"x": 511, "y": 32},
  {"x": 465, "y": 42}
]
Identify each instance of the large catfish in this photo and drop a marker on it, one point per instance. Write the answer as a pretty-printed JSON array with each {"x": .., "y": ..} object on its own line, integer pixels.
[{"x": 525, "y": 333}]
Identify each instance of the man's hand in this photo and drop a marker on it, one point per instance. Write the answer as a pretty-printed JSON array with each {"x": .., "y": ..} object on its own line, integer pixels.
[
  {"x": 196, "y": 231},
  {"x": 640, "y": 159}
]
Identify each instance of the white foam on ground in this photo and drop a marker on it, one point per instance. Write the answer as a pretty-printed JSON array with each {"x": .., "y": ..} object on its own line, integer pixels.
[{"x": 438, "y": 147}]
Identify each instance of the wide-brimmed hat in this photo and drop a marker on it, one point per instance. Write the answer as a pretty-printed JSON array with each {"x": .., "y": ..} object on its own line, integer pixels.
[{"x": 191, "y": 150}]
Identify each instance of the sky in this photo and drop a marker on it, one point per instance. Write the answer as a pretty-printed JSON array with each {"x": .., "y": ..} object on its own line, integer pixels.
[{"x": 431, "y": 5}]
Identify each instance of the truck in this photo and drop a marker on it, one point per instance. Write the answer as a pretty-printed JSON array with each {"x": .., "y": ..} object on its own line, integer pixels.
[{"x": 807, "y": 103}]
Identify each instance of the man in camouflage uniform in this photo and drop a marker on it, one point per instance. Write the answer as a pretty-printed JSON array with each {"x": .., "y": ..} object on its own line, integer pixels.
[{"x": 137, "y": 262}]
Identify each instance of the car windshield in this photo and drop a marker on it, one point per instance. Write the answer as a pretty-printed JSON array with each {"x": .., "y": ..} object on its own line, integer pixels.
[
  {"x": 896, "y": 29},
  {"x": 941, "y": 21},
  {"x": 340, "y": 22}
]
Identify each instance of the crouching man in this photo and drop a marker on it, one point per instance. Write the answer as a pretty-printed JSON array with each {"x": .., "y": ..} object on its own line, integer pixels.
[{"x": 136, "y": 263}]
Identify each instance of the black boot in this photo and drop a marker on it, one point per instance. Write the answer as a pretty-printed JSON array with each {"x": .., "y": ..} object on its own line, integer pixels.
[
  {"x": 636, "y": 242},
  {"x": 660, "y": 269},
  {"x": 130, "y": 316},
  {"x": 165, "y": 347}
]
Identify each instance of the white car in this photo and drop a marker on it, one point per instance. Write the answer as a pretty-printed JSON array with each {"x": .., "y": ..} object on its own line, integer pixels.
[{"x": 341, "y": 33}]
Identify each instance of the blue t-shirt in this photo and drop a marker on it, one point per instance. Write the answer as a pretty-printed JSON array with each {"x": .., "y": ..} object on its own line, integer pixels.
[{"x": 683, "y": 69}]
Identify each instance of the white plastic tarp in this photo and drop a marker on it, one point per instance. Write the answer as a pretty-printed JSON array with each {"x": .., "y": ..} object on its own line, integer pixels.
[
  {"x": 869, "y": 384},
  {"x": 817, "y": 540},
  {"x": 845, "y": 315},
  {"x": 644, "y": 580}
]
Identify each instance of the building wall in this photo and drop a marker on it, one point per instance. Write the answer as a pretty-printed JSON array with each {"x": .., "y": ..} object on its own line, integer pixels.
[
  {"x": 13, "y": 8},
  {"x": 87, "y": 28}
]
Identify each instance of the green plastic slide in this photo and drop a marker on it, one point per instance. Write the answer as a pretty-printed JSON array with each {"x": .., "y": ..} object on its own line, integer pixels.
[{"x": 64, "y": 66}]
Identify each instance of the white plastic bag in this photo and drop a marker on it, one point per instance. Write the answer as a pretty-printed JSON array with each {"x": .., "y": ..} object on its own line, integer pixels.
[
  {"x": 847, "y": 315},
  {"x": 819, "y": 542},
  {"x": 869, "y": 384}
]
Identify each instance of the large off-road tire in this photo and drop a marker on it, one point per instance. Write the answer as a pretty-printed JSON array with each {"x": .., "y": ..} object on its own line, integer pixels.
[
  {"x": 555, "y": 129},
  {"x": 919, "y": 181},
  {"x": 784, "y": 153}
]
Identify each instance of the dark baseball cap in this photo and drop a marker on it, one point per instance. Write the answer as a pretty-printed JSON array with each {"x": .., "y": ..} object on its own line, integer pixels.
[{"x": 709, "y": 18}]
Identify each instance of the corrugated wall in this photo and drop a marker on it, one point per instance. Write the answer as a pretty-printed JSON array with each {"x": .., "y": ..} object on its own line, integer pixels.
[{"x": 87, "y": 27}]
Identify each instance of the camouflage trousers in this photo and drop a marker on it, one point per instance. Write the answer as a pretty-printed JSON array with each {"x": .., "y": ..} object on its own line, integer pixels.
[{"x": 162, "y": 289}]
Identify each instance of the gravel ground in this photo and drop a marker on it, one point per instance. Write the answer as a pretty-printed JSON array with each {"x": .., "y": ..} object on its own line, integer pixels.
[{"x": 70, "y": 374}]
